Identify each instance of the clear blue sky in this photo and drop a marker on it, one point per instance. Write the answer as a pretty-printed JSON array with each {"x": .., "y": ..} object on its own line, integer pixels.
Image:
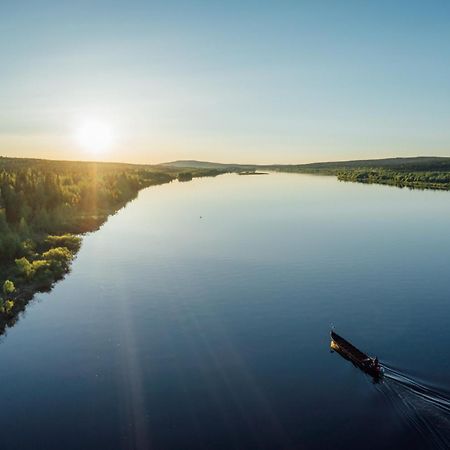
[{"x": 279, "y": 81}]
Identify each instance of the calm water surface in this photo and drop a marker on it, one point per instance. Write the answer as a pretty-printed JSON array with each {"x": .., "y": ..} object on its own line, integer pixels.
[{"x": 198, "y": 317}]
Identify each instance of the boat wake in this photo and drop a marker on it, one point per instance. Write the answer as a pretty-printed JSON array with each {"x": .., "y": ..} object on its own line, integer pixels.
[{"x": 425, "y": 408}]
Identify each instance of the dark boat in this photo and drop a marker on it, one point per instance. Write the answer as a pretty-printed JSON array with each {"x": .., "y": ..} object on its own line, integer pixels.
[{"x": 364, "y": 362}]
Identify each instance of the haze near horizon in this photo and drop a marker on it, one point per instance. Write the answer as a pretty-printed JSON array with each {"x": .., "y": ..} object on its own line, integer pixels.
[{"x": 249, "y": 82}]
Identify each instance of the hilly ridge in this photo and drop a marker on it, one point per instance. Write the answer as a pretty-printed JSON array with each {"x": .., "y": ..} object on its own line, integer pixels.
[{"x": 416, "y": 163}]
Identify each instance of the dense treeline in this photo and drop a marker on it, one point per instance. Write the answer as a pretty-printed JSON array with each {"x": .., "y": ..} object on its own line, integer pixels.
[
  {"x": 418, "y": 180},
  {"x": 43, "y": 204}
]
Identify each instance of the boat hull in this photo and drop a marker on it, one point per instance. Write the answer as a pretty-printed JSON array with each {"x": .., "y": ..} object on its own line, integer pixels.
[{"x": 355, "y": 356}]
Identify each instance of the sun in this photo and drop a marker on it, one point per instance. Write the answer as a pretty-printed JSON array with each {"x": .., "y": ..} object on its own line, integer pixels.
[{"x": 95, "y": 136}]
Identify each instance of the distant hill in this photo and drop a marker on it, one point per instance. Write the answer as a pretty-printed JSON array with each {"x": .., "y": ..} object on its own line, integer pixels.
[{"x": 193, "y": 164}]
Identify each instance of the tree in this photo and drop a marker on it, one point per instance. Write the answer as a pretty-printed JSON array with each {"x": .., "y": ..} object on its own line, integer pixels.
[
  {"x": 6, "y": 304},
  {"x": 24, "y": 268},
  {"x": 8, "y": 288}
]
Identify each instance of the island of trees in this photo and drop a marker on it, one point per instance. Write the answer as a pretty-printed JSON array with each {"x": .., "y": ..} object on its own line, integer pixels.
[{"x": 44, "y": 208}]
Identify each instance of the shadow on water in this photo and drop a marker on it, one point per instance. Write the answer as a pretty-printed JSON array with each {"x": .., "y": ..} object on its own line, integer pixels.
[{"x": 424, "y": 407}]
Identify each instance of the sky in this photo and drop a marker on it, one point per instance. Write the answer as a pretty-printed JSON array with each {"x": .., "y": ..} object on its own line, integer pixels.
[{"x": 235, "y": 81}]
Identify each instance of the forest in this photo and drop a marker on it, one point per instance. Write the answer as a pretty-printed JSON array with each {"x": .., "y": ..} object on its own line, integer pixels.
[
  {"x": 416, "y": 180},
  {"x": 46, "y": 205}
]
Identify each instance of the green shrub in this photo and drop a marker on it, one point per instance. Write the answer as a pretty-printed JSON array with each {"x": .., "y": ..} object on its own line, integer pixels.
[
  {"x": 8, "y": 306},
  {"x": 59, "y": 259},
  {"x": 70, "y": 241},
  {"x": 8, "y": 287},
  {"x": 42, "y": 270},
  {"x": 24, "y": 268},
  {"x": 60, "y": 255}
]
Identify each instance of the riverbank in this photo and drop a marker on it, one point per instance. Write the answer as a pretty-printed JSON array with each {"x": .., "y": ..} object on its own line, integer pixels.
[{"x": 413, "y": 180}]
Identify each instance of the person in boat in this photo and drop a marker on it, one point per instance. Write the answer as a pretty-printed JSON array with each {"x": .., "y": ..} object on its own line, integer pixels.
[
  {"x": 368, "y": 361},
  {"x": 371, "y": 362}
]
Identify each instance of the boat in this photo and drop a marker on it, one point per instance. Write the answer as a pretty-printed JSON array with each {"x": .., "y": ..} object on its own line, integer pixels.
[{"x": 367, "y": 364}]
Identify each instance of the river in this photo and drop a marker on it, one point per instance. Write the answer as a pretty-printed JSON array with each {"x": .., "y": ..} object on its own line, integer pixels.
[{"x": 198, "y": 317}]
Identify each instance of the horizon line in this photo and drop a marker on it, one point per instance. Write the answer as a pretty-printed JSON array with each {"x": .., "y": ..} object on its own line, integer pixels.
[{"x": 223, "y": 163}]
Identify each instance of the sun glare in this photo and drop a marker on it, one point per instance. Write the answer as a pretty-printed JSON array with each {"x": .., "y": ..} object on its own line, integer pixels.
[{"x": 95, "y": 136}]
